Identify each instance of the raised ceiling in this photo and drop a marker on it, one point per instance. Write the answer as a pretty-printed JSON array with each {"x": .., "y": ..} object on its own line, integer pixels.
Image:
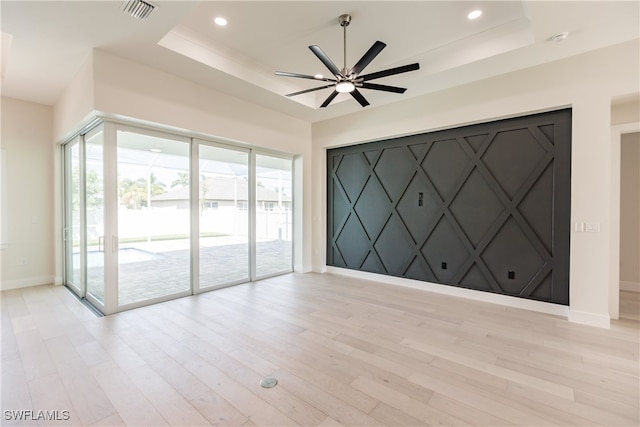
[{"x": 45, "y": 43}]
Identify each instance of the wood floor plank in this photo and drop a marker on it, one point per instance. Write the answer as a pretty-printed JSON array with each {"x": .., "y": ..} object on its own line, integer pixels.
[
  {"x": 482, "y": 400},
  {"x": 51, "y": 400},
  {"x": 559, "y": 390},
  {"x": 15, "y": 392},
  {"x": 217, "y": 410},
  {"x": 341, "y": 412},
  {"x": 248, "y": 403},
  {"x": 89, "y": 400},
  {"x": 111, "y": 421},
  {"x": 469, "y": 414},
  {"x": 36, "y": 361},
  {"x": 565, "y": 412},
  {"x": 345, "y": 351},
  {"x": 417, "y": 409},
  {"x": 168, "y": 402},
  {"x": 132, "y": 406},
  {"x": 317, "y": 378}
]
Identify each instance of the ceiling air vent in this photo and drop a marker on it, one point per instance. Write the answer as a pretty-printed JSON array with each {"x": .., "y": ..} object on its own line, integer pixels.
[{"x": 139, "y": 9}]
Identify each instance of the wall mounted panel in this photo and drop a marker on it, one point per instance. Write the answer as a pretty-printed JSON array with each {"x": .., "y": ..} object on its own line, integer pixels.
[{"x": 485, "y": 207}]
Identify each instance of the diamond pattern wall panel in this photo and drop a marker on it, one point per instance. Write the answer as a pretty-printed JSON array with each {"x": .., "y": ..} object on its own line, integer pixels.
[{"x": 484, "y": 207}]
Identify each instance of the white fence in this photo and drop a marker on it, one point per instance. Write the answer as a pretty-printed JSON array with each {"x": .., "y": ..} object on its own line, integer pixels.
[{"x": 270, "y": 225}]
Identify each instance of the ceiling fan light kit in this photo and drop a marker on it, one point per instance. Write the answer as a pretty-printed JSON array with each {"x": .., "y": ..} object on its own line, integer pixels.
[{"x": 349, "y": 80}]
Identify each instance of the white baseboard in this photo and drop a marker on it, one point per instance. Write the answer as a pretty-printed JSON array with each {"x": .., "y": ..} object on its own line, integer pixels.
[
  {"x": 629, "y": 286},
  {"x": 591, "y": 319},
  {"x": 26, "y": 282},
  {"x": 504, "y": 300}
]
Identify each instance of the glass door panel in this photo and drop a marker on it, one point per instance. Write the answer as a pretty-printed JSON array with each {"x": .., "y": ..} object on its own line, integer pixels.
[
  {"x": 94, "y": 208},
  {"x": 224, "y": 216},
  {"x": 73, "y": 220},
  {"x": 153, "y": 217},
  {"x": 274, "y": 215}
]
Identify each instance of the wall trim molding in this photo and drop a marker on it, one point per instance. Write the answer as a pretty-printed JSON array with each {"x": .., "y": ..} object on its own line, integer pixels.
[
  {"x": 590, "y": 319},
  {"x": 629, "y": 286},
  {"x": 504, "y": 300},
  {"x": 27, "y": 282}
]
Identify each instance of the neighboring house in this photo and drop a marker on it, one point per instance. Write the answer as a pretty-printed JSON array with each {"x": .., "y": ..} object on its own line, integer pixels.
[{"x": 224, "y": 192}]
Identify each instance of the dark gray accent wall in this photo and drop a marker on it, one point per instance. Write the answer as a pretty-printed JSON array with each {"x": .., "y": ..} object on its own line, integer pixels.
[{"x": 484, "y": 207}]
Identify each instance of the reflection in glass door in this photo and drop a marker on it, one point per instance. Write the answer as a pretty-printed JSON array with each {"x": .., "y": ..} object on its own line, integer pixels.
[
  {"x": 73, "y": 221},
  {"x": 274, "y": 215},
  {"x": 223, "y": 216},
  {"x": 153, "y": 217}
]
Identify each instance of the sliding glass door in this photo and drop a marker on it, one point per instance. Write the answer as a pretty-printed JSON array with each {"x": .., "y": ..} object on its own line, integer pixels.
[
  {"x": 84, "y": 216},
  {"x": 223, "y": 211},
  {"x": 273, "y": 213},
  {"x": 153, "y": 216},
  {"x": 94, "y": 214},
  {"x": 74, "y": 230}
]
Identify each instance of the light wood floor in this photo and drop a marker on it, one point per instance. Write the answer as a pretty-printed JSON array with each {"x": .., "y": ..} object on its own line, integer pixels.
[
  {"x": 345, "y": 352},
  {"x": 630, "y": 305}
]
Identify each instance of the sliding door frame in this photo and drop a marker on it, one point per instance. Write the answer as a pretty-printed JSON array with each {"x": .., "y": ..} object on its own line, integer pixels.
[
  {"x": 110, "y": 188},
  {"x": 76, "y": 284},
  {"x": 254, "y": 211}
]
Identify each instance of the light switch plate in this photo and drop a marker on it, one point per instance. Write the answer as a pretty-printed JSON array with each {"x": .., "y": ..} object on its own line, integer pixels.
[{"x": 593, "y": 227}]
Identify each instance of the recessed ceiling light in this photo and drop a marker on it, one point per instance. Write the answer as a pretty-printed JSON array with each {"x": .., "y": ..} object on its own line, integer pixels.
[
  {"x": 318, "y": 76},
  {"x": 474, "y": 14},
  {"x": 560, "y": 37},
  {"x": 219, "y": 20},
  {"x": 156, "y": 150}
]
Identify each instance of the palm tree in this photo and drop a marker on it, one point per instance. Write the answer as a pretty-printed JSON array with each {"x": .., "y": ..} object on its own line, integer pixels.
[
  {"x": 182, "y": 180},
  {"x": 157, "y": 188},
  {"x": 133, "y": 194}
]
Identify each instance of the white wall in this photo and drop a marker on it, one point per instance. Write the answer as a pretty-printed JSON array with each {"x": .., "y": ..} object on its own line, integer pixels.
[
  {"x": 26, "y": 140},
  {"x": 75, "y": 104},
  {"x": 585, "y": 82}
]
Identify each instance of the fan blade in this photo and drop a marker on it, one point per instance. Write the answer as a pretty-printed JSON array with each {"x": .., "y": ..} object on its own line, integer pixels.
[
  {"x": 303, "y": 76},
  {"x": 390, "y": 72},
  {"x": 309, "y": 90},
  {"x": 385, "y": 88},
  {"x": 367, "y": 57},
  {"x": 325, "y": 60},
  {"x": 329, "y": 99},
  {"x": 358, "y": 97}
]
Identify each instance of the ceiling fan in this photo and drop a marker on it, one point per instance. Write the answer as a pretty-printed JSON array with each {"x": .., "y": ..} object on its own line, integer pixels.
[{"x": 349, "y": 80}]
